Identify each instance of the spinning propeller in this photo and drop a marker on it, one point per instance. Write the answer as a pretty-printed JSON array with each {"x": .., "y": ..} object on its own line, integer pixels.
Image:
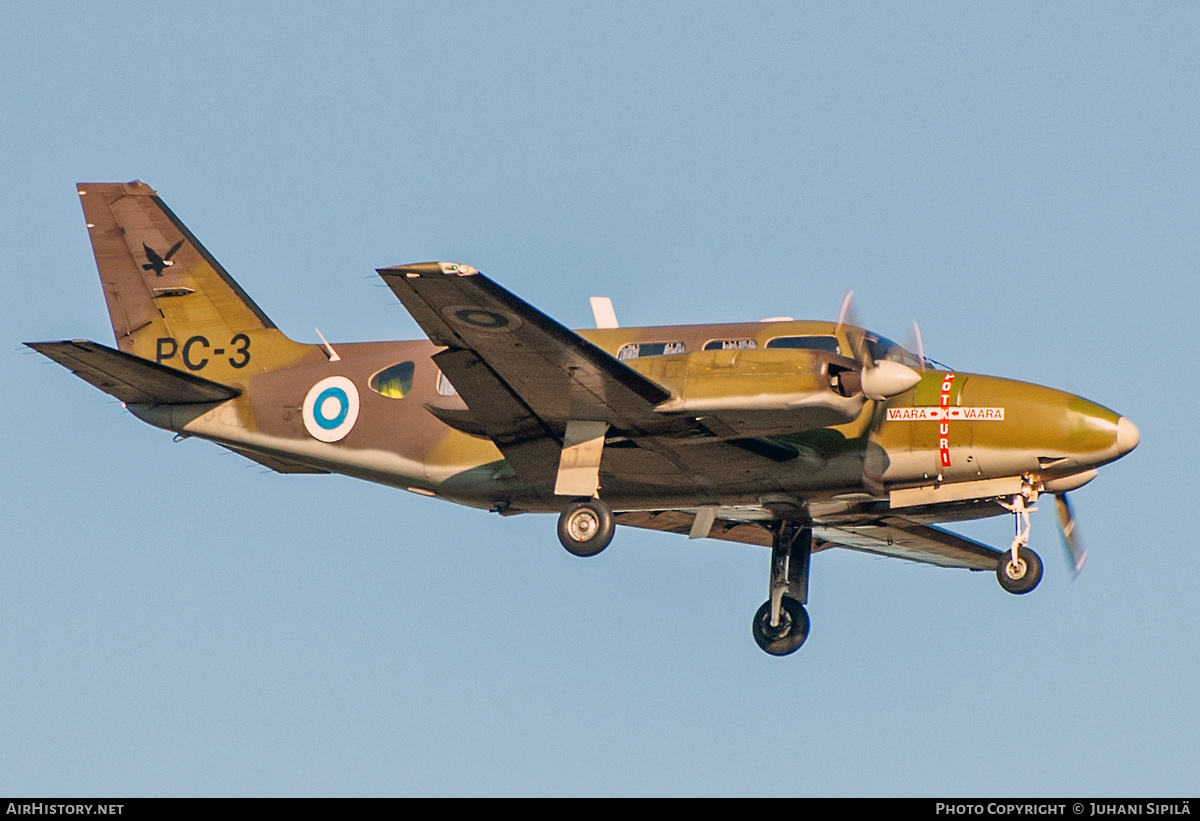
[
  {"x": 918, "y": 345},
  {"x": 881, "y": 379},
  {"x": 1076, "y": 552}
]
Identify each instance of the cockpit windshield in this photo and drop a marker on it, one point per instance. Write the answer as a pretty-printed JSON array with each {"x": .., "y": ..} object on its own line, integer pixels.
[{"x": 881, "y": 348}]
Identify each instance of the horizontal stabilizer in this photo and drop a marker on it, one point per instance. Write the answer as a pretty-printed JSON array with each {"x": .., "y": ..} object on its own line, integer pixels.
[{"x": 130, "y": 378}]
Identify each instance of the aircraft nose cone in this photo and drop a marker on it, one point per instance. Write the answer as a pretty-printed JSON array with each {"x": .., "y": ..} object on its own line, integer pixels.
[{"x": 1128, "y": 436}]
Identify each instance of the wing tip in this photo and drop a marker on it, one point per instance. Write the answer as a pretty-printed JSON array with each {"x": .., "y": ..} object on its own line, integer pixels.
[
  {"x": 132, "y": 187},
  {"x": 429, "y": 269}
]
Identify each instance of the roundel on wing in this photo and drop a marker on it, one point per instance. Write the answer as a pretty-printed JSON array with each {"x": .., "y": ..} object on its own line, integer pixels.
[
  {"x": 481, "y": 319},
  {"x": 331, "y": 408}
]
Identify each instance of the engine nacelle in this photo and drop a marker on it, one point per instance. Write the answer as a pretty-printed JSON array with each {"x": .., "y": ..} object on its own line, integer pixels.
[{"x": 754, "y": 390}]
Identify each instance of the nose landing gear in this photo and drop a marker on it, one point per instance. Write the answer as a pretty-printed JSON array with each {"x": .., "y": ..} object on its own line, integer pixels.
[
  {"x": 1020, "y": 569},
  {"x": 1021, "y": 574}
]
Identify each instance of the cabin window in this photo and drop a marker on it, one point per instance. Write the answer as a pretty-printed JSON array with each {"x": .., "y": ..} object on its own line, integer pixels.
[
  {"x": 636, "y": 350},
  {"x": 394, "y": 382},
  {"x": 444, "y": 387},
  {"x": 730, "y": 345},
  {"x": 828, "y": 344}
]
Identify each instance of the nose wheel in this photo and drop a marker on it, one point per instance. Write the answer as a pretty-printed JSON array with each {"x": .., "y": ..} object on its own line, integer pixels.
[
  {"x": 585, "y": 527},
  {"x": 1023, "y": 574},
  {"x": 1020, "y": 569}
]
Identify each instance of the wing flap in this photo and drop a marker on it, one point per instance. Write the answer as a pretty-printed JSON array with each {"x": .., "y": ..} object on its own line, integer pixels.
[
  {"x": 130, "y": 378},
  {"x": 516, "y": 430}
]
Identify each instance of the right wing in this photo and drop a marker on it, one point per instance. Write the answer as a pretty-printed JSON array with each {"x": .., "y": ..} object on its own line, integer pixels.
[
  {"x": 680, "y": 521},
  {"x": 903, "y": 539},
  {"x": 889, "y": 536}
]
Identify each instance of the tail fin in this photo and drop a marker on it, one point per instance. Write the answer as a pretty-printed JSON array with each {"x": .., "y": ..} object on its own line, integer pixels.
[{"x": 169, "y": 300}]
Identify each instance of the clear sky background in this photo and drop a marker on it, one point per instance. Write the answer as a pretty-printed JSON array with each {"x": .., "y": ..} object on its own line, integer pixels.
[{"x": 1023, "y": 180}]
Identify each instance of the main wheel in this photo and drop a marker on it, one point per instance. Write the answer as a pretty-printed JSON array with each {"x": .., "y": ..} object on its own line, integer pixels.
[
  {"x": 791, "y": 632},
  {"x": 586, "y": 526},
  {"x": 1023, "y": 575}
]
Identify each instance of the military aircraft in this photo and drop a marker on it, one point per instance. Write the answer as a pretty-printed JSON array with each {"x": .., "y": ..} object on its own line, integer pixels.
[{"x": 796, "y": 436}]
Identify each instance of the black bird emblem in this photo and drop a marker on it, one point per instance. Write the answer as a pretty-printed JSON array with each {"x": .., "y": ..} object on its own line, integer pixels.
[{"x": 157, "y": 263}]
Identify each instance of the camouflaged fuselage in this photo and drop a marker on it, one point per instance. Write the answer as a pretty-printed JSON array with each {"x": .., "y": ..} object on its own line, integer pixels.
[{"x": 1023, "y": 430}]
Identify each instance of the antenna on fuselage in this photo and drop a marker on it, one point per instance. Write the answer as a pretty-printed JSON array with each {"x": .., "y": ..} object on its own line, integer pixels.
[
  {"x": 329, "y": 351},
  {"x": 602, "y": 310}
]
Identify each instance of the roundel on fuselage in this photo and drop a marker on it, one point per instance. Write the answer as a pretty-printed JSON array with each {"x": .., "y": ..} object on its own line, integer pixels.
[{"x": 331, "y": 408}]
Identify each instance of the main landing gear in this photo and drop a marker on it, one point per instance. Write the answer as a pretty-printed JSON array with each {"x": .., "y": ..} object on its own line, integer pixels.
[
  {"x": 781, "y": 624},
  {"x": 1020, "y": 569},
  {"x": 586, "y": 526}
]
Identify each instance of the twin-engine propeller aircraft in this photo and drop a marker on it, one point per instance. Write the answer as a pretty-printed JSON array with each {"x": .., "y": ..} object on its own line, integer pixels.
[{"x": 797, "y": 436}]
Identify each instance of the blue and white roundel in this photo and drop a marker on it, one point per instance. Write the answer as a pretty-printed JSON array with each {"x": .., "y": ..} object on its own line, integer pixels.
[{"x": 331, "y": 408}]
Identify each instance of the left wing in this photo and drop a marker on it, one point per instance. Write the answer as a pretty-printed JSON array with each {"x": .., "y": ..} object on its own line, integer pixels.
[
  {"x": 523, "y": 375},
  {"x": 550, "y": 400},
  {"x": 556, "y": 373}
]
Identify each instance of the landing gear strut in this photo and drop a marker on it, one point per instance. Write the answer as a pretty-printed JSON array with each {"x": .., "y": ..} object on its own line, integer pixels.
[
  {"x": 781, "y": 624},
  {"x": 1020, "y": 569},
  {"x": 586, "y": 526}
]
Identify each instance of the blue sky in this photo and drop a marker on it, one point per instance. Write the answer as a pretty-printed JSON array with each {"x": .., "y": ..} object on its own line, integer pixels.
[{"x": 1023, "y": 180}]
